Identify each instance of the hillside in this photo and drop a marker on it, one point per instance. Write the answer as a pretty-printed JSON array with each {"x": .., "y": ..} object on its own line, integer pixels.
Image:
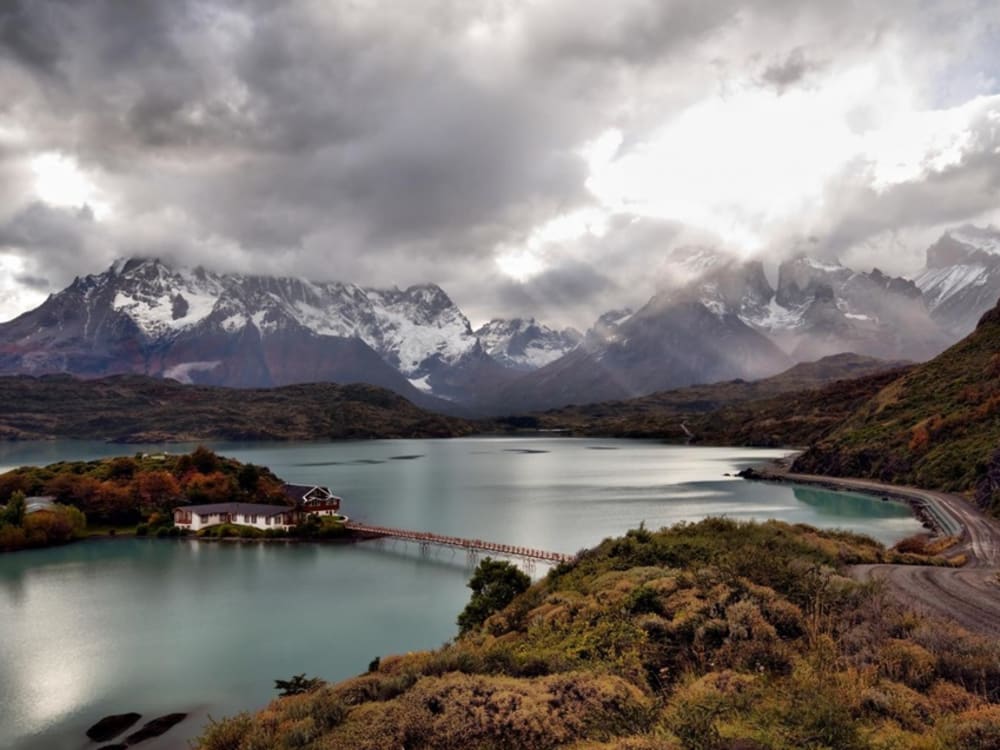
[
  {"x": 708, "y": 636},
  {"x": 791, "y": 408},
  {"x": 133, "y": 408},
  {"x": 938, "y": 426}
]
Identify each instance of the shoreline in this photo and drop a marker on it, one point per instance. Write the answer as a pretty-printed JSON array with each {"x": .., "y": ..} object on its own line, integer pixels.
[{"x": 927, "y": 505}]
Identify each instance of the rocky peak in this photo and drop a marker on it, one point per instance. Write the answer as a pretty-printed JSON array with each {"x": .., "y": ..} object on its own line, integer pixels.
[
  {"x": 964, "y": 244},
  {"x": 962, "y": 277},
  {"x": 524, "y": 343},
  {"x": 801, "y": 278}
]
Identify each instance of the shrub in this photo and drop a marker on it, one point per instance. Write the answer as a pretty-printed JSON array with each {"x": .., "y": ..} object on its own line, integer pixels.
[
  {"x": 978, "y": 729},
  {"x": 916, "y": 545},
  {"x": 494, "y": 585},
  {"x": 297, "y": 685},
  {"x": 227, "y": 734},
  {"x": 12, "y": 538}
]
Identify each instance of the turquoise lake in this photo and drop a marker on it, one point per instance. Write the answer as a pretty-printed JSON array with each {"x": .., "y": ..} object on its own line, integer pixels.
[{"x": 157, "y": 626}]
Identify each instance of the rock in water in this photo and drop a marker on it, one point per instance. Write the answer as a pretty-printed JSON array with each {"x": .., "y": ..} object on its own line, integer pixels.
[
  {"x": 155, "y": 728},
  {"x": 111, "y": 726}
]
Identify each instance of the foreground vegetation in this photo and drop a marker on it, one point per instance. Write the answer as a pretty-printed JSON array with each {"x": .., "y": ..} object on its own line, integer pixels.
[
  {"x": 937, "y": 426},
  {"x": 709, "y": 636},
  {"x": 137, "y": 409}
]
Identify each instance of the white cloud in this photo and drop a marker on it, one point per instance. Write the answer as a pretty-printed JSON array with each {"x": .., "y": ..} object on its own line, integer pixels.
[
  {"x": 481, "y": 145},
  {"x": 15, "y": 295},
  {"x": 59, "y": 181}
]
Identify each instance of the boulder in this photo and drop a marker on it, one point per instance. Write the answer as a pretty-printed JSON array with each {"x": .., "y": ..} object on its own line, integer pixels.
[
  {"x": 111, "y": 726},
  {"x": 155, "y": 728}
]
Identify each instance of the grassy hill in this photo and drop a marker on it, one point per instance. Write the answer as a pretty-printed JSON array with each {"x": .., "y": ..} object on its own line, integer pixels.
[
  {"x": 937, "y": 426},
  {"x": 708, "y": 636},
  {"x": 132, "y": 408}
]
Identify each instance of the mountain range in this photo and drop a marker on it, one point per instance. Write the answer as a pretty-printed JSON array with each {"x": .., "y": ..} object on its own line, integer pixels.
[{"x": 717, "y": 318}]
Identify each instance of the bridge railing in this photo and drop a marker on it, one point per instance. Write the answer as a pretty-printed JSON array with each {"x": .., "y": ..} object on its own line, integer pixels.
[{"x": 476, "y": 545}]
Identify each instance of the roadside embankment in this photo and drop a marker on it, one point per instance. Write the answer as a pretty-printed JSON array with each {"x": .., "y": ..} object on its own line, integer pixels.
[{"x": 969, "y": 595}]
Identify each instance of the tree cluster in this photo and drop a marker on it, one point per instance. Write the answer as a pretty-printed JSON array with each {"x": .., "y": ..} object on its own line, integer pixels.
[
  {"x": 19, "y": 529},
  {"x": 126, "y": 490}
]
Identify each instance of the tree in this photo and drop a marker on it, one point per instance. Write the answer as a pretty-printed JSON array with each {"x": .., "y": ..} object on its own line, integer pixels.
[
  {"x": 12, "y": 482},
  {"x": 157, "y": 489},
  {"x": 297, "y": 685},
  {"x": 204, "y": 460},
  {"x": 15, "y": 510},
  {"x": 110, "y": 502},
  {"x": 494, "y": 585},
  {"x": 123, "y": 467},
  {"x": 248, "y": 478},
  {"x": 211, "y": 488}
]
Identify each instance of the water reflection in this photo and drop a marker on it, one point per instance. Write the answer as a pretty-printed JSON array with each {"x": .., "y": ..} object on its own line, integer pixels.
[{"x": 850, "y": 505}]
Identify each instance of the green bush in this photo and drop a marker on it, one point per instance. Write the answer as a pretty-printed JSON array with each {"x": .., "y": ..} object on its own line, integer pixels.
[{"x": 494, "y": 585}]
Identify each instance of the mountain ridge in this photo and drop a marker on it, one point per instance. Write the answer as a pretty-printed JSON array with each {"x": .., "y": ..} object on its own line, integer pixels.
[
  {"x": 716, "y": 318},
  {"x": 937, "y": 426}
]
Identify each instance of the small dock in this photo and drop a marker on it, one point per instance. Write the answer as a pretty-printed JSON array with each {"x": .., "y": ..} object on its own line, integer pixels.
[{"x": 472, "y": 546}]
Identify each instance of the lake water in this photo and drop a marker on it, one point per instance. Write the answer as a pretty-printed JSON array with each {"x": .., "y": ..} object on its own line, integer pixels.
[{"x": 157, "y": 626}]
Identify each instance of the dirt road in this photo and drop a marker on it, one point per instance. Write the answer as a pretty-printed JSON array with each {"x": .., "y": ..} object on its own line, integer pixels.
[{"x": 969, "y": 595}]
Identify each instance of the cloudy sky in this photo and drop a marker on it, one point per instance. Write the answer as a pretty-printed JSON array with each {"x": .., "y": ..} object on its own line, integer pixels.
[{"x": 531, "y": 156}]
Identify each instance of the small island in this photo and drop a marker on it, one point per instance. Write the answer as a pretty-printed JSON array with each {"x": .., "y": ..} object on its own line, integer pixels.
[{"x": 161, "y": 495}]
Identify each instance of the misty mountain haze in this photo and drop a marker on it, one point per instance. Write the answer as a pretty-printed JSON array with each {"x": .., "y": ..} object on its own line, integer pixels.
[{"x": 717, "y": 318}]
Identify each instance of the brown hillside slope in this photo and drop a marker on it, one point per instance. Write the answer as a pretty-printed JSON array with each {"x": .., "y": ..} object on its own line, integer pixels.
[
  {"x": 937, "y": 426},
  {"x": 133, "y": 408}
]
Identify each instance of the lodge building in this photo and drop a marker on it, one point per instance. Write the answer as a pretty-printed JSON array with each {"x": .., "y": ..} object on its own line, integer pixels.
[{"x": 307, "y": 499}]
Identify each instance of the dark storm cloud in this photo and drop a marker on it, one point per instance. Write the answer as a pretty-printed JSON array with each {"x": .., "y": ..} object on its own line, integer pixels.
[
  {"x": 32, "y": 282},
  {"x": 42, "y": 228},
  {"x": 791, "y": 70},
  {"x": 635, "y": 31},
  {"x": 28, "y": 35},
  {"x": 568, "y": 292},
  {"x": 386, "y": 142}
]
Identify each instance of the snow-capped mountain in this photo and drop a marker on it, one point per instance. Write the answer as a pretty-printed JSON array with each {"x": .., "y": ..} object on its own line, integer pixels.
[
  {"x": 524, "y": 343},
  {"x": 821, "y": 309},
  {"x": 962, "y": 278},
  {"x": 818, "y": 308},
  {"x": 673, "y": 341},
  {"x": 231, "y": 329}
]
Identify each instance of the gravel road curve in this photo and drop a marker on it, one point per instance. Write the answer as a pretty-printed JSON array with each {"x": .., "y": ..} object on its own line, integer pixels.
[{"x": 969, "y": 595}]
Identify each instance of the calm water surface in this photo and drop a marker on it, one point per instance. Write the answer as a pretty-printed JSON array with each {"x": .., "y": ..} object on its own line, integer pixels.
[{"x": 157, "y": 626}]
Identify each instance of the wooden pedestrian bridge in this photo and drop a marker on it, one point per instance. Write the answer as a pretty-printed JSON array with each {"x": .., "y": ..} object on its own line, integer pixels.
[{"x": 473, "y": 547}]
